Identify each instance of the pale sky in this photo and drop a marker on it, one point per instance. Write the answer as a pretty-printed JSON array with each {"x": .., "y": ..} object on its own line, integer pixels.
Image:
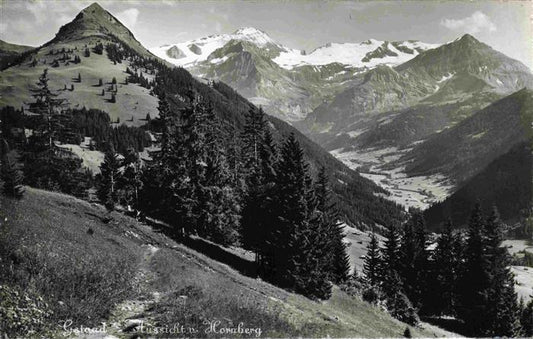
[{"x": 504, "y": 25}]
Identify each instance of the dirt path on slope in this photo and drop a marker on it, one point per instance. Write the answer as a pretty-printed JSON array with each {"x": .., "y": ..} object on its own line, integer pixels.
[{"x": 131, "y": 317}]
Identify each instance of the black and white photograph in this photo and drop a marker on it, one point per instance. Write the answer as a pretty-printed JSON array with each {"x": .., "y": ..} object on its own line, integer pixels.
[{"x": 266, "y": 169}]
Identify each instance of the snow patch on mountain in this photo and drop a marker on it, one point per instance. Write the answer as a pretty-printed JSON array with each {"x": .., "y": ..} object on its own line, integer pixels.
[
  {"x": 352, "y": 54},
  {"x": 374, "y": 52}
]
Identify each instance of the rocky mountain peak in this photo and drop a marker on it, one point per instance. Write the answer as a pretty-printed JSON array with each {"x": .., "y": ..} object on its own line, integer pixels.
[{"x": 253, "y": 35}]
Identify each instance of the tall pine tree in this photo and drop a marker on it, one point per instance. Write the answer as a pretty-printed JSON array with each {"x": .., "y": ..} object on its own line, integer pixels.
[
  {"x": 446, "y": 263},
  {"x": 109, "y": 176},
  {"x": 474, "y": 283},
  {"x": 372, "y": 262},
  {"x": 338, "y": 263},
  {"x": 502, "y": 315}
]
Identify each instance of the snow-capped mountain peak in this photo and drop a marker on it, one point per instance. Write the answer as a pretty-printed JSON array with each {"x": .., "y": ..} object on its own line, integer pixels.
[
  {"x": 253, "y": 35},
  {"x": 191, "y": 52}
]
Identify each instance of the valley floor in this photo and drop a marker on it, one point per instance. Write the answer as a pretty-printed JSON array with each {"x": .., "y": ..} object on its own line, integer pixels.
[
  {"x": 419, "y": 192},
  {"x": 165, "y": 283}
]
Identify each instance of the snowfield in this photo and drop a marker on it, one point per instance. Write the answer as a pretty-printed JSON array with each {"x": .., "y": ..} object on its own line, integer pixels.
[{"x": 351, "y": 54}]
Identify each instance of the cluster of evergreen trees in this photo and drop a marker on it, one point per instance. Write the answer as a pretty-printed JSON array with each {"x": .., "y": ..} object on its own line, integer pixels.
[
  {"x": 287, "y": 219},
  {"x": 96, "y": 124},
  {"x": 252, "y": 195},
  {"x": 466, "y": 276}
]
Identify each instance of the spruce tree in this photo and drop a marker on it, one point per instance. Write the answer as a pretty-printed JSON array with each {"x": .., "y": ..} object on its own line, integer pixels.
[
  {"x": 372, "y": 262},
  {"x": 289, "y": 210},
  {"x": 12, "y": 176},
  {"x": 109, "y": 176},
  {"x": 47, "y": 106},
  {"x": 408, "y": 252},
  {"x": 419, "y": 286},
  {"x": 338, "y": 263},
  {"x": 219, "y": 216},
  {"x": 447, "y": 260},
  {"x": 390, "y": 266},
  {"x": 526, "y": 320},
  {"x": 474, "y": 283},
  {"x": 252, "y": 136},
  {"x": 398, "y": 305},
  {"x": 294, "y": 247},
  {"x": 255, "y": 157},
  {"x": 502, "y": 311}
]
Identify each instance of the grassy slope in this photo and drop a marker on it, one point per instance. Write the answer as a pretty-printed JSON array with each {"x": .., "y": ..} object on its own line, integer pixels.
[
  {"x": 52, "y": 229},
  {"x": 132, "y": 99}
]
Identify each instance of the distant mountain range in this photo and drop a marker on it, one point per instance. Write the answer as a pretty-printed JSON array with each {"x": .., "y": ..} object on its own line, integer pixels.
[{"x": 288, "y": 83}]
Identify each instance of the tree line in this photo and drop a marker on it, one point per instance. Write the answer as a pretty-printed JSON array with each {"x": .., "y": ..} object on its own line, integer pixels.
[{"x": 466, "y": 276}]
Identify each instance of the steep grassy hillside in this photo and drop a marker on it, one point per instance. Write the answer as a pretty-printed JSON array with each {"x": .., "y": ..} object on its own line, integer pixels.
[{"x": 90, "y": 266}]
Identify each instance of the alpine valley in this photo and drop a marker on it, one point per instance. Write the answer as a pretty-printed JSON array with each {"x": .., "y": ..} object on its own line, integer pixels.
[{"x": 420, "y": 120}]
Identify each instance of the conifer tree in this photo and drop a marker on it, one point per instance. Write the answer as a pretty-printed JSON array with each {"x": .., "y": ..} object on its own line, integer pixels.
[
  {"x": 219, "y": 216},
  {"x": 311, "y": 273},
  {"x": 252, "y": 136},
  {"x": 390, "y": 266},
  {"x": 474, "y": 282},
  {"x": 419, "y": 287},
  {"x": 408, "y": 255},
  {"x": 526, "y": 320},
  {"x": 447, "y": 260},
  {"x": 254, "y": 157},
  {"x": 338, "y": 263},
  {"x": 268, "y": 155},
  {"x": 290, "y": 210},
  {"x": 293, "y": 244},
  {"x": 130, "y": 181},
  {"x": 372, "y": 262},
  {"x": 109, "y": 176},
  {"x": 48, "y": 106},
  {"x": 11, "y": 175},
  {"x": 502, "y": 317}
]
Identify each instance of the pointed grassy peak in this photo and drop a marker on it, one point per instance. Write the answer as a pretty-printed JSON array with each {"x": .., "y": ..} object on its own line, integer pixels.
[{"x": 95, "y": 21}]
